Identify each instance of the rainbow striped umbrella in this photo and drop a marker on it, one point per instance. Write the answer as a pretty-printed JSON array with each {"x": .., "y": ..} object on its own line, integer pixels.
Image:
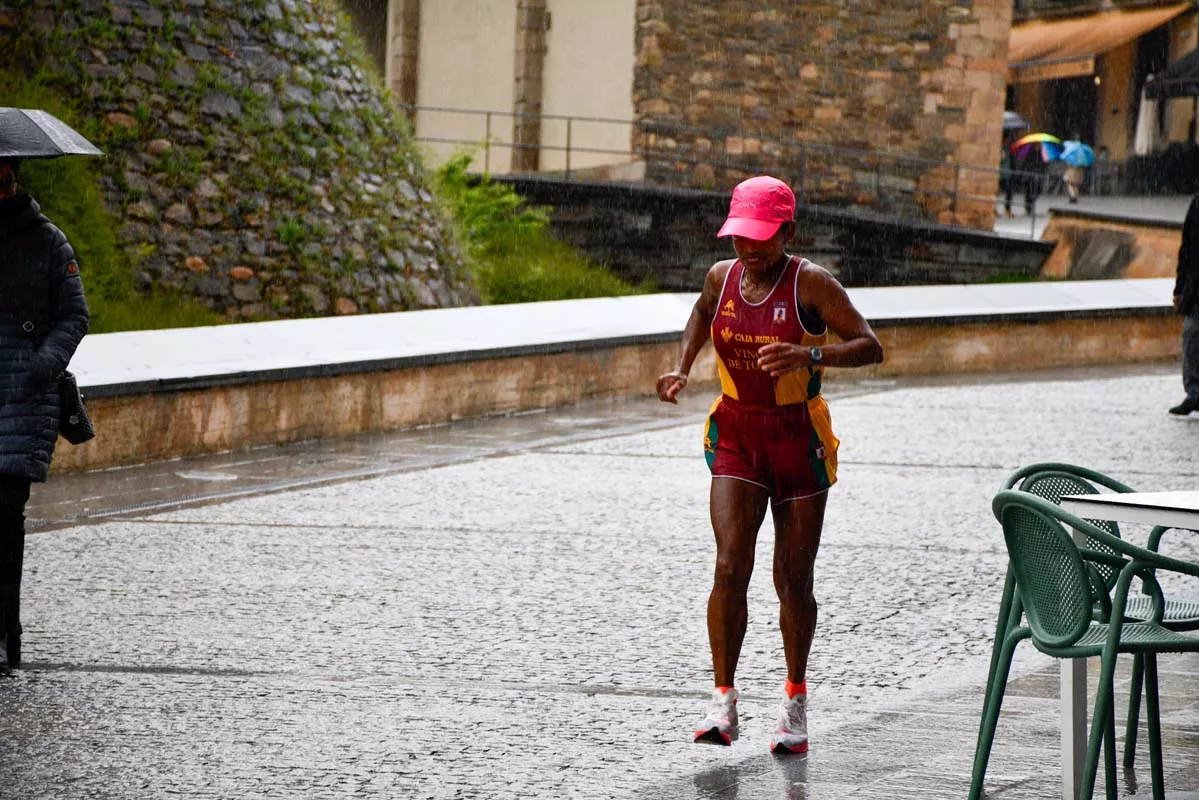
[{"x": 1049, "y": 146}]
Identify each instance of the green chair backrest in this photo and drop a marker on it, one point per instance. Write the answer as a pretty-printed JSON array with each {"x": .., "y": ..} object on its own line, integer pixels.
[
  {"x": 1053, "y": 485},
  {"x": 1053, "y": 580}
]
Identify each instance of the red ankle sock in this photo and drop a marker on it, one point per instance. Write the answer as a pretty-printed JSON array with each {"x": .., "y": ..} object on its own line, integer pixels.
[
  {"x": 724, "y": 689},
  {"x": 795, "y": 688}
]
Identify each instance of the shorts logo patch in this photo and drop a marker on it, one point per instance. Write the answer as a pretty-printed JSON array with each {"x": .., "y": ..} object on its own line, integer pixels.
[
  {"x": 711, "y": 436},
  {"x": 72, "y": 268},
  {"x": 820, "y": 453},
  {"x": 780, "y": 312}
]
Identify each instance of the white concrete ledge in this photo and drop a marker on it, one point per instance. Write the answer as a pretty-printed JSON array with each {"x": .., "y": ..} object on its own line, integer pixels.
[
  {"x": 193, "y": 358},
  {"x": 175, "y": 393},
  {"x": 986, "y": 302}
]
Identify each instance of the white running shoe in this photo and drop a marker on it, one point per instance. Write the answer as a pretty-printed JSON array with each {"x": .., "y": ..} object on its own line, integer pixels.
[
  {"x": 792, "y": 733},
  {"x": 720, "y": 726}
]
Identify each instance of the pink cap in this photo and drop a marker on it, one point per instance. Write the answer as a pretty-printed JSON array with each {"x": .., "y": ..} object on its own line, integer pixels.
[{"x": 759, "y": 206}]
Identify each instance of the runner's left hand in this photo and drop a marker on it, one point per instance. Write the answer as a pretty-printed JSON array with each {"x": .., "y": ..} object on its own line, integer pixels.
[{"x": 779, "y": 358}]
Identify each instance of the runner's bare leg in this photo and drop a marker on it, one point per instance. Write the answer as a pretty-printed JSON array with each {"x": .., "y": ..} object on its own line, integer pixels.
[
  {"x": 797, "y": 525},
  {"x": 738, "y": 509}
]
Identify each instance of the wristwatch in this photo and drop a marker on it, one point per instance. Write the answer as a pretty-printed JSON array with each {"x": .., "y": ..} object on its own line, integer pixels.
[{"x": 817, "y": 356}]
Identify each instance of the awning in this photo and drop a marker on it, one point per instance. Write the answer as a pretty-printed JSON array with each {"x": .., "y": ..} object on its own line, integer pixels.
[
  {"x": 1178, "y": 79},
  {"x": 1041, "y": 50}
]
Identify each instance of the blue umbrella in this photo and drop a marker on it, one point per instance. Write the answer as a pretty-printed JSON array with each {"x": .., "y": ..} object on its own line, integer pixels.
[{"x": 1077, "y": 154}]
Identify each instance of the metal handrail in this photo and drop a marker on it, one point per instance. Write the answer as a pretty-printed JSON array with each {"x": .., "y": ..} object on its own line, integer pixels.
[
  {"x": 678, "y": 128},
  {"x": 878, "y": 164}
]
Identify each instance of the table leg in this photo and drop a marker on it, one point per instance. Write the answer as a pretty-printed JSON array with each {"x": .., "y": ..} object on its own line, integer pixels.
[
  {"x": 1074, "y": 724},
  {"x": 1073, "y": 700}
]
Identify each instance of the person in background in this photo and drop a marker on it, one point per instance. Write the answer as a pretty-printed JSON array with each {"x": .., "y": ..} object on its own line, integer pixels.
[
  {"x": 1104, "y": 172},
  {"x": 769, "y": 440},
  {"x": 1186, "y": 302},
  {"x": 43, "y": 317},
  {"x": 1008, "y": 180},
  {"x": 1032, "y": 172},
  {"x": 1074, "y": 177}
]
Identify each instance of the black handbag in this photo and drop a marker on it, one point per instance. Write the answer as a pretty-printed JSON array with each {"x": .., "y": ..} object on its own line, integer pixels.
[{"x": 74, "y": 424}]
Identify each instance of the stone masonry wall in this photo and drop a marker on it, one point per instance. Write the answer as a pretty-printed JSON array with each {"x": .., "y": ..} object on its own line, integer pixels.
[
  {"x": 253, "y": 160},
  {"x": 725, "y": 89},
  {"x": 666, "y": 236}
]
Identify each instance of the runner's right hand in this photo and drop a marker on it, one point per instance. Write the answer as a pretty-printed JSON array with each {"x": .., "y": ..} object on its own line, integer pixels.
[{"x": 669, "y": 386}]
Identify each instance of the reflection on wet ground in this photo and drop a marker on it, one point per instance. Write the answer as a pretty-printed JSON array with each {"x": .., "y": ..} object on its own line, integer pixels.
[{"x": 513, "y": 608}]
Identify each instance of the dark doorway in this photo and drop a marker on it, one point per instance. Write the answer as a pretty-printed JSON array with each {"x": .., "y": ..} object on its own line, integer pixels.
[
  {"x": 1153, "y": 52},
  {"x": 1072, "y": 108},
  {"x": 1173, "y": 169}
]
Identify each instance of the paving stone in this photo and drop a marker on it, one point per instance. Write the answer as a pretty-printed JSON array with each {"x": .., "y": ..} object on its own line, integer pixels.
[{"x": 513, "y": 608}]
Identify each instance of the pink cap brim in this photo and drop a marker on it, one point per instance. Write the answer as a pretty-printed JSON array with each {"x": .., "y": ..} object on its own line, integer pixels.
[{"x": 757, "y": 229}]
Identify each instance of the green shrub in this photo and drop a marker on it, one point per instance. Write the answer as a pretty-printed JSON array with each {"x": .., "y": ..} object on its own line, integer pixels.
[
  {"x": 69, "y": 193},
  {"x": 513, "y": 255}
]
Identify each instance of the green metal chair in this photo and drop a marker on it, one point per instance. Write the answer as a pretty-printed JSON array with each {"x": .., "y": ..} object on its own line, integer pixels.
[
  {"x": 1052, "y": 481},
  {"x": 1056, "y": 480},
  {"x": 1178, "y": 615},
  {"x": 1056, "y": 588}
]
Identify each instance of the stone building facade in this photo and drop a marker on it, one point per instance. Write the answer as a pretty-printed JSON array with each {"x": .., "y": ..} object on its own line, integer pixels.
[
  {"x": 698, "y": 93},
  {"x": 729, "y": 88},
  {"x": 1081, "y": 69}
]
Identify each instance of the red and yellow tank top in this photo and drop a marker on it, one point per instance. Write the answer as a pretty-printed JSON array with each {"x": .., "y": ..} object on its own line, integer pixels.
[{"x": 740, "y": 328}]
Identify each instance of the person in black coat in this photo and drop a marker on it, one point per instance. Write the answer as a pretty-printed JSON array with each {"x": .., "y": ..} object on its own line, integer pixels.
[
  {"x": 1186, "y": 301},
  {"x": 1030, "y": 176},
  {"x": 43, "y": 317}
]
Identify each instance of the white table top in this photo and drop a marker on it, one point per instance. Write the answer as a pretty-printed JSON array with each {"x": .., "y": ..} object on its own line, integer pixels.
[{"x": 1176, "y": 509}]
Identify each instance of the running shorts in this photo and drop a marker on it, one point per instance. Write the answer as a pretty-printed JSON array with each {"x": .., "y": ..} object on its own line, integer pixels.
[{"x": 790, "y": 451}]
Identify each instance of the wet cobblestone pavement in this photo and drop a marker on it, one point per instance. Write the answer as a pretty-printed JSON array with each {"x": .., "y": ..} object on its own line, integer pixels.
[{"x": 513, "y": 608}]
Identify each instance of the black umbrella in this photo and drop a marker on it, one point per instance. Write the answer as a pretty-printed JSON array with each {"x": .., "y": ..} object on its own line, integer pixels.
[
  {"x": 27, "y": 133},
  {"x": 1013, "y": 121}
]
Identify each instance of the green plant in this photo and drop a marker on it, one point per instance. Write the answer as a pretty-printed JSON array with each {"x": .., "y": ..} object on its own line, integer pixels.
[
  {"x": 102, "y": 29},
  {"x": 545, "y": 268},
  {"x": 491, "y": 216},
  {"x": 209, "y": 76},
  {"x": 291, "y": 231},
  {"x": 513, "y": 254}
]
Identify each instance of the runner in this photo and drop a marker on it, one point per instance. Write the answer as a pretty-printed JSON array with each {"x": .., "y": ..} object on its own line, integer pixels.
[{"x": 769, "y": 440}]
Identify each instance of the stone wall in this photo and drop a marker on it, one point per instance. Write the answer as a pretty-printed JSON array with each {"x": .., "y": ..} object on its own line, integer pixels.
[
  {"x": 253, "y": 161},
  {"x": 667, "y": 236},
  {"x": 154, "y": 426},
  {"x": 922, "y": 79},
  {"x": 1089, "y": 247}
]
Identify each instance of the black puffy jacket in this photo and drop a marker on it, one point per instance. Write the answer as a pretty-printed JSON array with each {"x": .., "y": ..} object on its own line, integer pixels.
[
  {"x": 43, "y": 317},
  {"x": 1186, "y": 286}
]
